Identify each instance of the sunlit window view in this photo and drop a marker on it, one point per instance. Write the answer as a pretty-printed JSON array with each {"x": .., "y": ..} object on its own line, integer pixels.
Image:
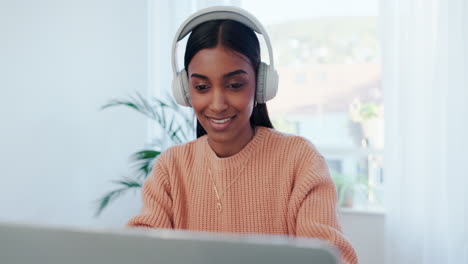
[{"x": 328, "y": 60}]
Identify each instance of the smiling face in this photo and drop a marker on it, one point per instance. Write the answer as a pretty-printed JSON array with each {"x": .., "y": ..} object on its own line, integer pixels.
[{"x": 222, "y": 89}]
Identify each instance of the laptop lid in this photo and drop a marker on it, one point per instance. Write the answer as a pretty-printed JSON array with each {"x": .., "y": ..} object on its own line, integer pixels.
[{"x": 22, "y": 243}]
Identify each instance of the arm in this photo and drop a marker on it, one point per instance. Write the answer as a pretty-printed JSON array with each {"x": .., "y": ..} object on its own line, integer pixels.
[
  {"x": 314, "y": 202},
  {"x": 157, "y": 202}
]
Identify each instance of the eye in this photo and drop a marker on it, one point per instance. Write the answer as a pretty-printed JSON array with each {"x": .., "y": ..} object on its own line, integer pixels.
[
  {"x": 201, "y": 87},
  {"x": 235, "y": 85}
]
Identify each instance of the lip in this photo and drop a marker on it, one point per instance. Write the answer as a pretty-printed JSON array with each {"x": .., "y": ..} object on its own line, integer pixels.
[{"x": 218, "y": 126}]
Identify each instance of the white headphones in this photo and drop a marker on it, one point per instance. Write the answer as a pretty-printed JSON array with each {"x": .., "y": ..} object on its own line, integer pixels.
[{"x": 267, "y": 77}]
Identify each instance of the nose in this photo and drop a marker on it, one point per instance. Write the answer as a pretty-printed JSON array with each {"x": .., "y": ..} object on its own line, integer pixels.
[{"x": 219, "y": 101}]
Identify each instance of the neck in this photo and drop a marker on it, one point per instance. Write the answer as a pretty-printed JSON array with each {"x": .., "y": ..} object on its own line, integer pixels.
[{"x": 229, "y": 148}]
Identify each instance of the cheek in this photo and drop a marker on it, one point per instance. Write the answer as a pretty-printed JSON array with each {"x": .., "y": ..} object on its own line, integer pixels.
[
  {"x": 247, "y": 100},
  {"x": 245, "y": 104},
  {"x": 196, "y": 102}
]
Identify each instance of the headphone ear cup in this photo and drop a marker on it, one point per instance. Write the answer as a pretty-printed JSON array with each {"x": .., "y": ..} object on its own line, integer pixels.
[
  {"x": 272, "y": 84},
  {"x": 267, "y": 83},
  {"x": 261, "y": 82},
  {"x": 180, "y": 88}
]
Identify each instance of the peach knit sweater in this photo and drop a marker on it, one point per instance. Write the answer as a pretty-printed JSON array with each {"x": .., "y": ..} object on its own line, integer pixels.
[{"x": 277, "y": 184}]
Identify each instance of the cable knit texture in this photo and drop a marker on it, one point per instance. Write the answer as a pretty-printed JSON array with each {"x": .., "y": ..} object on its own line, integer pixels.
[{"x": 279, "y": 184}]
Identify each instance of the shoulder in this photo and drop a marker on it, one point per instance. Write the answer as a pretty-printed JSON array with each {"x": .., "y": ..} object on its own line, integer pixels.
[
  {"x": 292, "y": 144},
  {"x": 182, "y": 152},
  {"x": 307, "y": 164}
]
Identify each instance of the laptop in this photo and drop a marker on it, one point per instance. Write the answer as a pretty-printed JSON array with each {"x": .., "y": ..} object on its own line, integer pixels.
[{"x": 24, "y": 244}]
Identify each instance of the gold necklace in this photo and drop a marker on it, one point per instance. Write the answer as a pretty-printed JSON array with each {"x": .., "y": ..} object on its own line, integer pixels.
[{"x": 219, "y": 205}]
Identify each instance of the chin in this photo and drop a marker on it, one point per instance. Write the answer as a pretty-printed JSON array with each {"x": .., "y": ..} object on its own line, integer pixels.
[{"x": 220, "y": 137}]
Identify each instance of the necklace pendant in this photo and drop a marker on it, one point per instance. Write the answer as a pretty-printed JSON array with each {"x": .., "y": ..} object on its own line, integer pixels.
[{"x": 219, "y": 207}]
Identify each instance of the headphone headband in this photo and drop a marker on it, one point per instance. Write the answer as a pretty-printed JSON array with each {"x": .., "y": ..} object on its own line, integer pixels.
[
  {"x": 267, "y": 77},
  {"x": 220, "y": 13}
]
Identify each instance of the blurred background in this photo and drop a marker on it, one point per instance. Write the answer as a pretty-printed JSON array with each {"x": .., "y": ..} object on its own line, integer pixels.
[{"x": 378, "y": 86}]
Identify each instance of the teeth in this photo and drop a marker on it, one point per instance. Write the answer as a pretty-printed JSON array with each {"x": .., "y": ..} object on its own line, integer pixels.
[{"x": 221, "y": 121}]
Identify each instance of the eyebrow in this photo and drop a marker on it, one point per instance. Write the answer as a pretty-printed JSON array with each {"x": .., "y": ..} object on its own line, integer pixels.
[{"x": 229, "y": 74}]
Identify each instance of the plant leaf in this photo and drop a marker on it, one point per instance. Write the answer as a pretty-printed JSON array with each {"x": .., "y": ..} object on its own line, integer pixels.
[
  {"x": 114, "y": 194},
  {"x": 145, "y": 154},
  {"x": 143, "y": 161}
]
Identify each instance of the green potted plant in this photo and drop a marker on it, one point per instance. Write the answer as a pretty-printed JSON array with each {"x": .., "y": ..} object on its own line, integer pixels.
[
  {"x": 347, "y": 186},
  {"x": 176, "y": 126}
]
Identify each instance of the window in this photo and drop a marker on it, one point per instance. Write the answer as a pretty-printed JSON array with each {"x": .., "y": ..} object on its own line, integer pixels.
[{"x": 328, "y": 59}]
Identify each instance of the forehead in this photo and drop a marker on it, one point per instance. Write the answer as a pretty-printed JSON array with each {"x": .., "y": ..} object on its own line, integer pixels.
[{"x": 218, "y": 60}]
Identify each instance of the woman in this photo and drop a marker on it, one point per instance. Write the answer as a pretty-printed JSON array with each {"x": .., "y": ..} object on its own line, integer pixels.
[{"x": 239, "y": 175}]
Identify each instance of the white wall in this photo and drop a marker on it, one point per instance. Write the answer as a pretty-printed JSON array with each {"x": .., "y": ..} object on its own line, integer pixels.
[
  {"x": 59, "y": 62},
  {"x": 365, "y": 231}
]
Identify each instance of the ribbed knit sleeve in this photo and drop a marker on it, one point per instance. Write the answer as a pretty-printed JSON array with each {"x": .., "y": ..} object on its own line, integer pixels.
[
  {"x": 314, "y": 204},
  {"x": 157, "y": 203}
]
